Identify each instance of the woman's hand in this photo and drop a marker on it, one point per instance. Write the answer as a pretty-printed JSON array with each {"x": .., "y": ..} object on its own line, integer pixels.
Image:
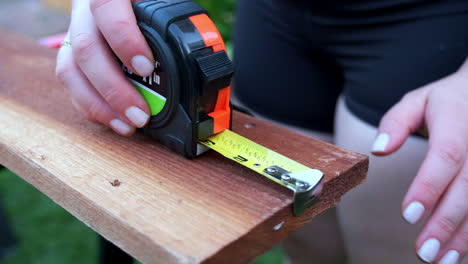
[
  {"x": 90, "y": 71},
  {"x": 440, "y": 189}
]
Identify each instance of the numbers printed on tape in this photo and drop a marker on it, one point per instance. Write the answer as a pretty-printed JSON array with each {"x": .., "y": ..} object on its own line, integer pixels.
[
  {"x": 305, "y": 182},
  {"x": 249, "y": 153}
]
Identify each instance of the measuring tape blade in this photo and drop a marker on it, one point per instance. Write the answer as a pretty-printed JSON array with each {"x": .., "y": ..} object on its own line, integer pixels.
[{"x": 305, "y": 182}]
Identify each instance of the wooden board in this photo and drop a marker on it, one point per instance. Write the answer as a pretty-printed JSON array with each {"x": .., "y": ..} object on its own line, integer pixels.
[{"x": 164, "y": 208}]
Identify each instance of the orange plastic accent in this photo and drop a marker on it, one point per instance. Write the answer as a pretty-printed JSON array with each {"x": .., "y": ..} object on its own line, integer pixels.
[
  {"x": 219, "y": 47},
  {"x": 208, "y": 31},
  {"x": 212, "y": 38},
  {"x": 222, "y": 113}
]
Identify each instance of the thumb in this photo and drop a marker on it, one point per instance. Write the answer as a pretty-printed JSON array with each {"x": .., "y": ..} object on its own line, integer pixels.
[
  {"x": 117, "y": 23},
  {"x": 400, "y": 121}
]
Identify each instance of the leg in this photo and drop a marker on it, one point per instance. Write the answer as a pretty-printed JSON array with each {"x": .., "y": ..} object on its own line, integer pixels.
[
  {"x": 370, "y": 214},
  {"x": 278, "y": 74},
  {"x": 279, "y": 78},
  {"x": 318, "y": 242},
  {"x": 7, "y": 241},
  {"x": 413, "y": 54},
  {"x": 111, "y": 254}
]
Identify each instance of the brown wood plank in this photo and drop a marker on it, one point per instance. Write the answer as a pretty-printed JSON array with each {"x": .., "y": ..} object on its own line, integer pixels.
[{"x": 166, "y": 209}]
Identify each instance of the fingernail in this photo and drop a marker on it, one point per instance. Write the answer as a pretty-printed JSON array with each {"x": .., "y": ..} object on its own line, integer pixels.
[
  {"x": 429, "y": 250},
  {"x": 142, "y": 65},
  {"x": 381, "y": 142},
  {"x": 450, "y": 257},
  {"x": 138, "y": 117},
  {"x": 121, "y": 127},
  {"x": 413, "y": 212}
]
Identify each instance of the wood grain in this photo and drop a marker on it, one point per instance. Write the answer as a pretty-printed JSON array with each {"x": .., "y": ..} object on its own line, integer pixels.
[{"x": 165, "y": 209}]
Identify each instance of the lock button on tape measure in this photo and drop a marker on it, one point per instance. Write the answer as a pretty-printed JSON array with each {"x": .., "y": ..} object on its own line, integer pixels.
[{"x": 189, "y": 96}]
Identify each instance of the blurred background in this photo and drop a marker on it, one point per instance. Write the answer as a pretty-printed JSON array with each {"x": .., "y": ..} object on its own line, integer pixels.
[{"x": 43, "y": 231}]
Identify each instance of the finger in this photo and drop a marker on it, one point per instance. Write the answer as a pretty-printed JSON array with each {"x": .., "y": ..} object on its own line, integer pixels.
[
  {"x": 446, "y": 219},
  {"x": 102, "y": 70},
  {"x": 117, "y": 22},
  {"x": 457, "y": 248},
  {"x": 85, "y": 98},
  {"x": 448, "y": 147},
  {"x": 400, "y": 121}
]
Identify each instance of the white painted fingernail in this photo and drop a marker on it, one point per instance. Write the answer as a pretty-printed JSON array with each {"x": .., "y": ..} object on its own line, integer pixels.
[
  {"x": 414, "y": 212},
  {"x": 142, "y": 65},
  {"x": 121, "y": 127},
  {"x": 380, "y": 143},
  {"x": 450, "y": 257},
  {"x": 138, "y": 117},
  {"x": 429, "y": 250}
]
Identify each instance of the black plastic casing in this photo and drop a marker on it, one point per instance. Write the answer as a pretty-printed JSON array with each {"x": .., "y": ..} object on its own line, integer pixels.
[{"x": 186, "y": 61}]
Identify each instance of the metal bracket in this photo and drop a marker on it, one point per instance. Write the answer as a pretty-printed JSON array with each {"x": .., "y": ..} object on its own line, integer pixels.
[{"x": 306, "y": 185}]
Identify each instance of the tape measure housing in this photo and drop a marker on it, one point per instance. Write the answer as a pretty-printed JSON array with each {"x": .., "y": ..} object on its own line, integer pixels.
[{"x": 189, "y": 91}]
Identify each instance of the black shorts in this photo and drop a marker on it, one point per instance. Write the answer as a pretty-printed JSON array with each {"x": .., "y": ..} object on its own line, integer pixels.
[{"x": 294, "y": 61}]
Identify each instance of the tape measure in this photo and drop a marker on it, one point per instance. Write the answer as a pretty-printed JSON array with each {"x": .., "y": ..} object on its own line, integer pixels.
[
  {"x": 306, "y": 183},
  {"x": 189, "y": 96}
]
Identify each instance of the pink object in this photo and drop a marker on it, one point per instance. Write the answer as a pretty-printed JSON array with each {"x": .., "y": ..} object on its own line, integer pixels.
[{"x": 53, "y": 42}]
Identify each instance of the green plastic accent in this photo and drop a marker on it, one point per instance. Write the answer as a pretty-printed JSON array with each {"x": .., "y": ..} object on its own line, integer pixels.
[{"x": 156, "y": 102}]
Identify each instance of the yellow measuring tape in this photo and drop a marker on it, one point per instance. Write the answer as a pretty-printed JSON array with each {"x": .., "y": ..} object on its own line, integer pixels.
[{"x": 304, "y": 181}]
